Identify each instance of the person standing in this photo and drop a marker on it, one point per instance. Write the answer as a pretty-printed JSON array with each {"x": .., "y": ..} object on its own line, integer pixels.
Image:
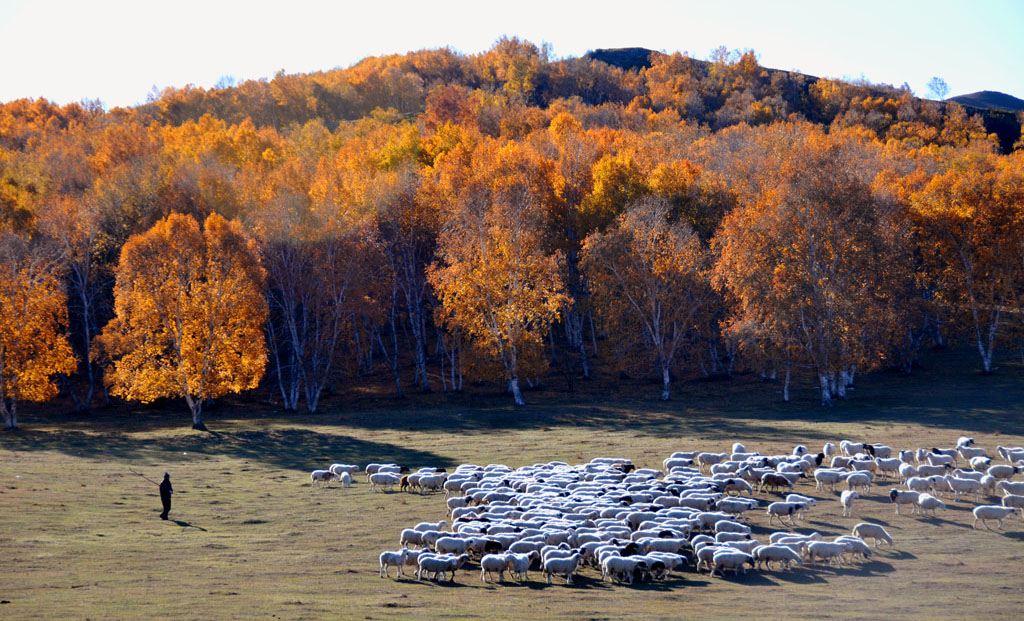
[{"x": 165, "y": 495}]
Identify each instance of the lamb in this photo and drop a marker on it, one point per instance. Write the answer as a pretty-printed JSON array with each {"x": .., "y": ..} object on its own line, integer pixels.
[
  {"x": 846, "y": 499},
  {"x": 392, "y": 559},
  {"x": 902, "y": 497},
  {"x": 927, "y": 502},
  {"x": 731, "y": 559},
  {"x": 493, "y": 563},
  {"x": 826, "y": 551},
  {"x": 783, "y": 509},
  {"x": 768, "y": 554},
  {"x": 867, "y": 530},
  {"x": 321, "y": 476},
  {"x": 562, "y": 567},
  {"x": 992, "y": 512},
  {"x": 383, "y": 480}
]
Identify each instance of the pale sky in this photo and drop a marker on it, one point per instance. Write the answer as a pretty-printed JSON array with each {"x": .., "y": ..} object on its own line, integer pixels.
[{"x": 118, "y": 50}]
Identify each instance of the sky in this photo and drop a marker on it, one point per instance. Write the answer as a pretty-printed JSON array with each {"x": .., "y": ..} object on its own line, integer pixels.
[{"x": 117, "y": 51}]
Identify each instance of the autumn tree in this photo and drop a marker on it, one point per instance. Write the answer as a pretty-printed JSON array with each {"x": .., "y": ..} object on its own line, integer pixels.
[
  {"x": 494, "y": 279},
  {"x": 33, "y": 322},
  {"x": 970, "y": 226},
  {"x": 649, "y": 279},
  {"x": 807, "y": 260},
  {"x": 189, "y": 314}
]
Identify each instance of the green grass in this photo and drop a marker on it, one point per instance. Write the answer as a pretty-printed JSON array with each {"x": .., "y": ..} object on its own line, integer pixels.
[{"x": 249, "y": 537}]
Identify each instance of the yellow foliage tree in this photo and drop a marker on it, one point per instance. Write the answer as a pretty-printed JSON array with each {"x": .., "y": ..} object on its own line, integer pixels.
[
  {"x": 649, "y": 277},
  {"x": 189, "y": 314},
  {"x": 494, "y": 279},
  {"x": 33, "y": 322}
]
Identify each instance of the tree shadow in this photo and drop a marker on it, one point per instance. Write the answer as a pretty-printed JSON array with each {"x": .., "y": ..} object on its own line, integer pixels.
[{"x": 291, "y": 449}]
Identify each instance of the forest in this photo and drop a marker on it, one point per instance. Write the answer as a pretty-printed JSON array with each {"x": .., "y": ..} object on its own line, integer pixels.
[{"x": 507, "y": 218}]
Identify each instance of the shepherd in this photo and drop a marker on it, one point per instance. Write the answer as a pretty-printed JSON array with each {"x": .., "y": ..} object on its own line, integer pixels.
[{"x": 165, "y": 495}]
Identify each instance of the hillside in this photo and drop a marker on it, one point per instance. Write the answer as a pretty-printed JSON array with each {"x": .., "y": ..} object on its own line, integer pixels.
[
  {"x": 991, "y": 100},
  {"x": 997, "y": 110}
]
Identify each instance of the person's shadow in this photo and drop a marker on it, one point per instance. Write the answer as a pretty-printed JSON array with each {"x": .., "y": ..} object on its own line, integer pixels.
[{"x": 185, "y": 524}]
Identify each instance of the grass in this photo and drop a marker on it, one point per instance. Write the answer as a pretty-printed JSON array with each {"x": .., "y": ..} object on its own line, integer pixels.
[{"x": 249, "y": 537}]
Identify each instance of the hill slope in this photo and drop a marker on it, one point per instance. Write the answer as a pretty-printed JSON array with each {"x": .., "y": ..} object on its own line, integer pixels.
[{"x": 991, "y": 100}]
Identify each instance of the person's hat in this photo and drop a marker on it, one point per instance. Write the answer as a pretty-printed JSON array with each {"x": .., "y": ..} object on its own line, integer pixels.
[{"x": 167, "y": 475}]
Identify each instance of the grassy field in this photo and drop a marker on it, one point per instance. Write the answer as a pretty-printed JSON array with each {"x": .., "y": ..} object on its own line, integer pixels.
[{"x": 250, "y": 538}]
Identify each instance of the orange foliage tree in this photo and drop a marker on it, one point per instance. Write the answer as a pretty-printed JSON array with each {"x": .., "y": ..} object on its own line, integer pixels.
[
  {"x": 809, "y": 261},
  {"x": 189, "y": 314},
  {"x": 33, "y": 322},
  {"x": 970, "y": 223},
  {"x": 649, "y": 280}
]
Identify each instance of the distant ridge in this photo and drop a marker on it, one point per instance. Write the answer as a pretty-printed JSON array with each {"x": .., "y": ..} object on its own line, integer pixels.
[
  {"x": 991, "y": 100},
  {"x": 629, "y": 58}
]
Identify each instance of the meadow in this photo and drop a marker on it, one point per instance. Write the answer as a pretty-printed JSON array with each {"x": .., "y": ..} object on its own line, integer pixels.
[{"x": 249, "y": 537}]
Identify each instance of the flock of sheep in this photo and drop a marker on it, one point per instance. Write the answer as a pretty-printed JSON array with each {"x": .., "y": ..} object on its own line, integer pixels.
[{"x": 640, "y": 524}]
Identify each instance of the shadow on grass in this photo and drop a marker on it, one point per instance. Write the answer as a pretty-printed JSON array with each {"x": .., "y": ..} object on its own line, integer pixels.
[
  {"x": 184, "y": 524},
  {"x": 292, "y": 449}
]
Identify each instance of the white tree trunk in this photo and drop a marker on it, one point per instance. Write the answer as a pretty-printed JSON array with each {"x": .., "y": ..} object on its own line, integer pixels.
[
  {"x": 826, "y": 390},
  {"x": 666, "y": 380},
  {"x": 10, "y": 408},
  {"x": 785, "y": 385},
  {"x": 517, "y": 395},
  {"x": 841, "y": 383},
  {"x": 196, "y": 407}
]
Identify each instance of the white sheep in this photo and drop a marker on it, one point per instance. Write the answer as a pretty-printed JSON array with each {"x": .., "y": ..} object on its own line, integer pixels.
[
  {"x": 867, "y": 530},
  {"x": 1008, "y": 488},
  {"x": 846, "y": 499},
  {"x": 519, "y": 564},
  {"x": 907, "y": 471},
  {"x": 887, "y": 466},
  {"x": 902, "y": 497},
  {"x": 410, "y": 537},
  {"x": 439, "y": 565},
  {"x": 927, "y": 502},
  {"x": 855, "y": 546},
  {"x": 425, "y": 526},
  {"x": 345, "y": 478},
  {"x": 493, "y": 563},
  {"x": 827, "y": 478},
  {"x": 339, "y": 468},
  {"x": 859, "y": 478},
  {"x": 829, "y": 450},
  {"x": 992, "y": 512},
  {"x": 451, "y": 545},
  {"x": 1002, "y": 471},
  {"x": 1011, "y": 454},
  {"x": 826, "y": 550},
  {"x": 383, "y": 480},
  {"x": 1017, "y": 502},
  {"x": 392, "y": 559},
  {"x": 730, "y": 559},
  {"x": 562, "y": 567},
  {"x": 964, "y": 486}
]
